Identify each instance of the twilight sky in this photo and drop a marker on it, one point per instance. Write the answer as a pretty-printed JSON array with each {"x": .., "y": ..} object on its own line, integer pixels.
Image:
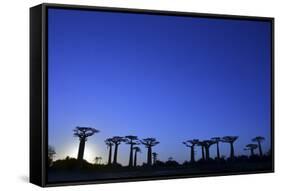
[{"x": 172, "y": 78}]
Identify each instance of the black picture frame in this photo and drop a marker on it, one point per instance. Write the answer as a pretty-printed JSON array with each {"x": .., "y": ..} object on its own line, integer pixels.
[{"x": 39, "y": 90}]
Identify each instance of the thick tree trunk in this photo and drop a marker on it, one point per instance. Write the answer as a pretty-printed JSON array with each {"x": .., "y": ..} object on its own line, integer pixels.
[
  {"x": 115, "y": 154},
  {"x": 231, "y": 150},
  {"x": 149, "y": 156},
  {"x": 154, "y": 160},
  {"x": 260, "y": 150},
  {"x": 109, "y": 155},
  {"x": 207, "y": 153},
  {"x": 218, "y": 151},
  {"x": 135, "y": 159},
  {"x": 131, "y": 156},
  {"x": 203, "y": 154},
  {"x": 252, "y": 152},
  {"x": 192, "y": 154},
  {"x": 81, "y": 150}
]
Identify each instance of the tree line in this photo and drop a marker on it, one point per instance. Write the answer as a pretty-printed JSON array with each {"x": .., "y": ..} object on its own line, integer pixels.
[
  {"x": 133, "y": 141},
  {"x": 84, "y": 132},
  {"x": 206, "y": 144}
]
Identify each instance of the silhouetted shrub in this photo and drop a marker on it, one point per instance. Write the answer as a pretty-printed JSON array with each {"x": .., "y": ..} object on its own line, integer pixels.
[
  {"x": 71, "y": 163},
  {"x": 171, "y": 163}
]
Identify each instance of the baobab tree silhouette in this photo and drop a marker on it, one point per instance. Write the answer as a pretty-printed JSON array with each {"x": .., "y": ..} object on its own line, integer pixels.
[
  {"x": 154, "y": 157},
  {"x": 51, "y": 154},
  {"x": 216, "y": 141},
  {"x": 116, "y": 141},
  {"x": 207, "y": 145},
  {"x": 251, "y": 148},
  {"x": 149, "y": 143},
  {"x": 259, "y": 139},
  {"x": 131, "y": 140},
  {"x": 202, "y": 145},
  {"x": 98, "y": 160},
  {"x": 109, "y": 144},
  {"x": 230, "y": 140},
  {"x": 136, "y": 149},
  {"x": 83, "y": 133},
  {"x": 191, "y": 144}
]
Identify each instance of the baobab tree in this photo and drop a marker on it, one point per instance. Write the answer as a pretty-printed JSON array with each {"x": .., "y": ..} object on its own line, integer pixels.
[
  {"x": 149, "y": 143},
  {"x": 230, "y": 140},
  {"x": 191, "y": 144},
  {"x": 51, "y": 154},
  {"x": 98, "y": 160},
  {"x": 83, "y": 133},
  {"x": 207, "y": 145},
  {"x": 109, "y": 144},
  {"x": 137, "y": 150},
  {"x": 170, "y": 158},
  {"x": 216, "y": 141},
  {"x": 154, "y": 157},
  {"x": 131, "y": 140},
  {"x": 116, "y": 141},
  {"x": 259, "y": 139},
  {"x": 202, "y": 145},
  {"x": 251, "y": 148}
]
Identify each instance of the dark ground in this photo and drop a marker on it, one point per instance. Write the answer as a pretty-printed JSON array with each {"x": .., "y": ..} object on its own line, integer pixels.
[{"x": 59, "y": 173}]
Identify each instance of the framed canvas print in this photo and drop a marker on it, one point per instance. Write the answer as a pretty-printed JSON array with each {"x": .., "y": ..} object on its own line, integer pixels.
[{"x": 127, "y": 95}]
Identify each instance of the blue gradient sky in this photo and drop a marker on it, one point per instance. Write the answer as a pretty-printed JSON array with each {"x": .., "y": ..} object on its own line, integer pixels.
[{"x": 172, "y": 78}]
